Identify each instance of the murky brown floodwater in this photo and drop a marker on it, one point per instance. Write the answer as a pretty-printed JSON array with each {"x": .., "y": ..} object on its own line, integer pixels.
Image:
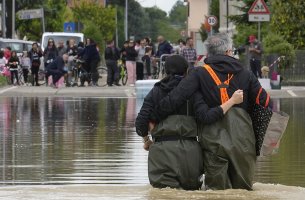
[{"x": 91, "y": 142}]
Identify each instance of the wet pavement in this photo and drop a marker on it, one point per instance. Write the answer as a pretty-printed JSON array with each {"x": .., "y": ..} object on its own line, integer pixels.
[{"x": 86, "y": 148}]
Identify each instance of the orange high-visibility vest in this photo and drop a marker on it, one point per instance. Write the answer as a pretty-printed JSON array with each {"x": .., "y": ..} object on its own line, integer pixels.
[{"x": 221, "y": 85}]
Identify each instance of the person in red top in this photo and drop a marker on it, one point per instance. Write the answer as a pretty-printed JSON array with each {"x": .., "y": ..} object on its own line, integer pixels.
[{"x": 7, "y": 53}]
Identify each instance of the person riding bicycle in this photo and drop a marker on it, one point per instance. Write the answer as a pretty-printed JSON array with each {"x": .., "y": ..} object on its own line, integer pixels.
[{"x": 112, "y": 56}]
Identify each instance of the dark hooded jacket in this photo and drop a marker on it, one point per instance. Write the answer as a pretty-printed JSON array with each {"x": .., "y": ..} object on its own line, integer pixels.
[
  {"x": 200, "y": 80},
  {"x": 161, "y": 90}
]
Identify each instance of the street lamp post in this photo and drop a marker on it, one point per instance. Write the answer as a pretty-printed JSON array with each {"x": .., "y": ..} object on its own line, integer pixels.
[
  {"x": 3, "y": 19},
  {"x": 227, "y": 16},
  {"x": 126, "y": 20},
  {"x": 13, "y": 19}
]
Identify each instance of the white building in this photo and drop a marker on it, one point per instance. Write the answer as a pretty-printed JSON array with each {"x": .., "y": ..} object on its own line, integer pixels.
[{"x": 199, "y": 9}]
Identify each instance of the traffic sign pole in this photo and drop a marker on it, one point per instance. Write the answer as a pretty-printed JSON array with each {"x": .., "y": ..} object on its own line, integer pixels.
[{"x": 259, "y": 12}]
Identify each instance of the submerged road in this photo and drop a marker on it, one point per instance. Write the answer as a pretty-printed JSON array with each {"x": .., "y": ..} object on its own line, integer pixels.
[{"x": 114, "y": 92}]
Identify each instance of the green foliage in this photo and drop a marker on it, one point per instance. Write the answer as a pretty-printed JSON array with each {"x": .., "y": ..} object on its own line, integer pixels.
[
  {"x": 178, "y": 15},
  {"x": 214, "y": 9},
  {"x": 150, "y": 22},
  {"x": 99, "y": 22},
  {"x": 288, "y": 19},
  {"x": 203, "y": 33},
  {"x": 54, "y": 17},
  {"x": 276, "y": 44},
  {"x": 3, "y": 81}
]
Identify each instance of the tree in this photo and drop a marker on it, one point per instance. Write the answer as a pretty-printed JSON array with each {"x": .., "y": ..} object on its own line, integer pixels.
[
  {"x": 288, "y": 19},
  {"x": 99, "y": 22},
  {"x": 54, "y": 12},
  {"x": 178, "y": 15}
]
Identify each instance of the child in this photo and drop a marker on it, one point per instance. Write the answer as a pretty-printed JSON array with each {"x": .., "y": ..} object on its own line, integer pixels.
[
  {"x": 13, "y": 65},
  {"x": 175, "y": 157},
  {"x": 25, "y": 64},
  {"x": 147, "y": 62}
]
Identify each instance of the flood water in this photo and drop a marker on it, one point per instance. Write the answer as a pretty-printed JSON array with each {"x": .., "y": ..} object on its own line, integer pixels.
[{"x": 90, "y": 145}]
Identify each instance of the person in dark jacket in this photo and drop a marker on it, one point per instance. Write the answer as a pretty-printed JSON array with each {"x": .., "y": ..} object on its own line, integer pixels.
[
  {"x": 50, "y": 53},
  {"x": 56, "y": 69},
  {"x": 91, "y": 57},
  {"x": 175, "y": 157},
  {"x": 112, "y": 55},
  {"x": 164, "y": 47},
  {"x": 13, "y": 63},
  {"x": 35, "y": 54},
  {"x": 123, "y": 52},
  {"x": 131, "y": 55},
  {"x": 225, "y": 167}
]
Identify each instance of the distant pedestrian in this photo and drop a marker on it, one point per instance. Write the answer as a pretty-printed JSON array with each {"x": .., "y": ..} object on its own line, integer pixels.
[
  {"x": 147, "y": 62},
  {"x": 112, "y": 55},
  {"x": 50, "y": 53},
  {"x": 56, "y": 69},
  {"x": 35, "y": 54},
  {"x": 61, "y": 48},
  {"x": 7, "y": 53},
  {"x": 25, "y": 64},
  {"x": 13, "y": 64},
  {"x": 255, "y": 51},
  {"x": 163, "y": 47},
  {"x": 123, "y": 52},
  {"x": 92, "y": 57},
  {"x": 189, "y": 53},
  {"x": 131, "y": 55},
  {"x": 139, "y": 63}
]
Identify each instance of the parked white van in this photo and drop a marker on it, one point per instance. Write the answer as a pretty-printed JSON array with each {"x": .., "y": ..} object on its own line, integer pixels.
[{"x": 60, "y": 36}]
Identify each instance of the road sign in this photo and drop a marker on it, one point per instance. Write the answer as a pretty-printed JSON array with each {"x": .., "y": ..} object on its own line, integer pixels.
[
  {"x": 212, "y": 20},
  {"x": 30, "y": 14},
  {"x": 69, "y": 27},
  {"x": 259, "y": 12}
]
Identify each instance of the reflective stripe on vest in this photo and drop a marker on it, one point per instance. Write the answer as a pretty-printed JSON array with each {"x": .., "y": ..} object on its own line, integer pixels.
[{"x": 223, "y": 91}]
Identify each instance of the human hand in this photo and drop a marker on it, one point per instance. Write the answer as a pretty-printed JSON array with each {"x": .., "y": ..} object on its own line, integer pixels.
[
  {"x": 151, "y": 126},
  {"x": 238, "y": 97},
  {"x": 147, "y": 144}
]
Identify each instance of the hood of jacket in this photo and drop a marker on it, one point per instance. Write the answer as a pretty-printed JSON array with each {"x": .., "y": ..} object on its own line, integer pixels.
[
  {"x": 169, "y": 83},
  {"x": 224, "y": 64}
]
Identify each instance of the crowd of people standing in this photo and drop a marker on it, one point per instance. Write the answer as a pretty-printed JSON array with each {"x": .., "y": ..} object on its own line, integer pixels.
[
  {"x": 142, "y": 59},
  {"x": 58, "y": 61}
]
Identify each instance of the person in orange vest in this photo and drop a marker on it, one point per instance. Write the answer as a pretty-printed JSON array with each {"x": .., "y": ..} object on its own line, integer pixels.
[
  {"x": 175, "y": 157},
  {"x": 228, "y": 144}
]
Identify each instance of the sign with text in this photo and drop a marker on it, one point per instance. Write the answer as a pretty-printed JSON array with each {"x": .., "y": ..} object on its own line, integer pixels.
[
  {"x": 30, "y": 14},
  {"x": 259, "y": 12}
]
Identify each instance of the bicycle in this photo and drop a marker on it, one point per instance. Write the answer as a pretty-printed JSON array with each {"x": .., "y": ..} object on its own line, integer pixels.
[
  {"x": 160, "y": 66},
  {"x": 123, "y": 72}
]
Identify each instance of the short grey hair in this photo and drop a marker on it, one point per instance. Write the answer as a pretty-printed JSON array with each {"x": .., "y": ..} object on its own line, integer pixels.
[{"x": 218, "y": 44}]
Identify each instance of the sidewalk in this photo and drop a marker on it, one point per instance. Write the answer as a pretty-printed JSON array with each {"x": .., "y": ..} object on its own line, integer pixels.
[{"x": 114, "y": 92}]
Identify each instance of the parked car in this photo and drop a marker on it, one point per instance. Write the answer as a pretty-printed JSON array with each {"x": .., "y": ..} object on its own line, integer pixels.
[{"x": 16, "y": 45}]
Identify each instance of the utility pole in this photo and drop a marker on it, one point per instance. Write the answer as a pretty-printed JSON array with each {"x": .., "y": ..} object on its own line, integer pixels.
[
  {"x": 227, "y": 16},
  {"x": 13, "y": 18},
  {"x": 126, "y": 20},
  {"x": 116, "y": 27},
  {"x": 3, "y": 19}
]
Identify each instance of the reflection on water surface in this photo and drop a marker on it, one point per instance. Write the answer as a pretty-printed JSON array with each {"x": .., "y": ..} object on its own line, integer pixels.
[{"x": 93, "y": 141}]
